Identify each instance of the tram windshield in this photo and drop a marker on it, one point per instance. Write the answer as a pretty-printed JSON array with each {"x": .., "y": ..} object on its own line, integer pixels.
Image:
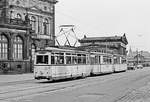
[{"x": 42, "y": 59}]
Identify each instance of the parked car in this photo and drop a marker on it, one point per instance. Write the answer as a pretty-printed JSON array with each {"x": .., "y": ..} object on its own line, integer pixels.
[
  {"x": 139, "y": 66},
  {"x": 131, "y": 67}
]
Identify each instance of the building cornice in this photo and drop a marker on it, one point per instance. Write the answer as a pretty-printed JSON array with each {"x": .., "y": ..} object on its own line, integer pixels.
[
  {"x": 3, "y": 25},
  {"x": 103, "y": 39},
  {"x": 27, "y": 9},
  {"x": 50, "y": 1}
]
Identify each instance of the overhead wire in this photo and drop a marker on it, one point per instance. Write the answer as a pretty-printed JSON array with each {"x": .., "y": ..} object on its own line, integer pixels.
[{"x": 76, "y": 20}]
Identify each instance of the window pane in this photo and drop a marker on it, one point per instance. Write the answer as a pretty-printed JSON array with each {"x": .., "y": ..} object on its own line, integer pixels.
[
  {"x": 68, "y": 59},
  {"x": 18, "y": 48},
  {"x": 52, "y": 60},
  {"x": 42, "y": 59},
  {"x": 3, "y": 47}
]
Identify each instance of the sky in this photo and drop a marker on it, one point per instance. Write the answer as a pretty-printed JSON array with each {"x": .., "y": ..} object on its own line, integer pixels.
[{"x": 98, "y": 18}]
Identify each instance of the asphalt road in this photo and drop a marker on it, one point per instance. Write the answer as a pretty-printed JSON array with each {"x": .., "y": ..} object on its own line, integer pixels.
[{"x": 104, "y": 88}]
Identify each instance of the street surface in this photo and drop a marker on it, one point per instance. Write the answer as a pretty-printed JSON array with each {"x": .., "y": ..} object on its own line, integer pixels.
[{"x": 129, "y": 86}]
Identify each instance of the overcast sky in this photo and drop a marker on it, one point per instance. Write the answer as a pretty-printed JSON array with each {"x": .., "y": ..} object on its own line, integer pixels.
[{"x": 97, "y": 18}]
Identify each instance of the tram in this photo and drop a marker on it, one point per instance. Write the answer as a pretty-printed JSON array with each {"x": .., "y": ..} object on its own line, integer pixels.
[{"x": 57, "y": 63}]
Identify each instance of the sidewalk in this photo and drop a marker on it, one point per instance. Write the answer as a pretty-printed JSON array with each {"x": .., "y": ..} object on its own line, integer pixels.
[{"x": 16, "y": 77}]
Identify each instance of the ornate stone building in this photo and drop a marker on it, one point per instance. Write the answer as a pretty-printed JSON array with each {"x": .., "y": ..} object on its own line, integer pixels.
[
  {"x": 112, "y": 44},
  {"x": 25, "y": 25}
]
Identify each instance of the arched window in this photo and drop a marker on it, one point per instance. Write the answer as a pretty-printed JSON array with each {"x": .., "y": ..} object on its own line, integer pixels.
[
  {"x": 3, "y": 47},
  {"x": 18, "y": 48},
  {"x": 46, "y": 26},
  {"x": 33, "y": 23}
]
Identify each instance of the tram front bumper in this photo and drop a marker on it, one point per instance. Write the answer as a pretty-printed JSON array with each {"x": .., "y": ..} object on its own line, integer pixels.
[{"x": 41, "y": 75}]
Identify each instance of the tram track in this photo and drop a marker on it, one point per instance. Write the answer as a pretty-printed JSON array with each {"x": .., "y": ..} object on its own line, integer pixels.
[
  {"x": 40, "y": 90},
  {"x": 16, "y": 82},
  {"x": 31, "y": 91}
]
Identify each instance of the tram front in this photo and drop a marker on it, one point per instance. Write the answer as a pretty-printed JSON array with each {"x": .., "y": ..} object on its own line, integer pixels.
[{"x": 42, "y": 69}]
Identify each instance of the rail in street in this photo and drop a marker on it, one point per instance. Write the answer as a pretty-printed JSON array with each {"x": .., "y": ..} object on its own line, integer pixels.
[
  {"x": 22, "y": 89},
  {"x": 30, "y": 89}
]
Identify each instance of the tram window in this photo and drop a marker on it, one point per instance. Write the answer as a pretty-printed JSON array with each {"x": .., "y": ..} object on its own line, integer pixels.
[
  {"x": 42, "y": 59},
  {"x": 79, "y": 58},
  {"x": 84, "y": 60},
  {"x": 96, "y": 59},
  {"x": 68, "y": 59},
  {"x": 99, "y": 59},
  {"x": 52, "y": 60},
  {"x": 59, "y": 59},
  {"x": 123, "y": 61},
  {"x": 87, "y": 60},
  {"x": 74, "y": 60},
  {"x": 104, "y": 59},
  {"x": 68, "y": 54},
  {"x": 116, "y": 60},
  {"x": 92, "y": 60},
  {"x": 107, "y": 60}
]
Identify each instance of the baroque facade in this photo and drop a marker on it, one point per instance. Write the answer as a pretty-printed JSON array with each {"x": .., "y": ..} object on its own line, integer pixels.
[
  {"x": 25, "y": 25},
  {"x": 110, "y": 44}
]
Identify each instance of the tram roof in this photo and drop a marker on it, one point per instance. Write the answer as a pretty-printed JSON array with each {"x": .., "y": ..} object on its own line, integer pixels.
[
  {"x": 61, "y": 49},
  {"x": 53, "y": 49},
  {"x": 101, "y": 53}
]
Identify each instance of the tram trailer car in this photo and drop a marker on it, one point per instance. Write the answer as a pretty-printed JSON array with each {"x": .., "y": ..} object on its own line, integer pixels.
[{"x": 55, "y": 63}]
